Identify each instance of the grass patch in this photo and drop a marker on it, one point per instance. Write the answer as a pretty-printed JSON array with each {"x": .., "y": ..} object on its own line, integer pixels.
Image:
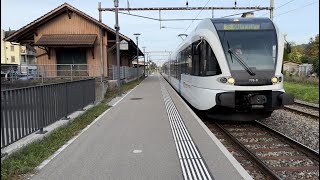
[
  {"x": 302, "y": 79},
  {"x": 26, "y": 159},
  {"x": 303, "y": 91}
]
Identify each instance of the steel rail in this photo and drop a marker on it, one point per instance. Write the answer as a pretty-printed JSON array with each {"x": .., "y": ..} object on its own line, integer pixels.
[
  {"x": 261, "y": 165},
  {"x": 305, "y": 149},
  {"x": 306, "y": 105},
  {"x": 300, "y": 112}
]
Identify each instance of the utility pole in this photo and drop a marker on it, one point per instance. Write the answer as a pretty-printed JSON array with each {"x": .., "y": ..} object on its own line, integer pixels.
[
  {"x": 101, "y": 53},
  {"x": 271, "y": 9},
  {"x": 101, "y": 45},
  {"x": 116, "y": 26},
  {"x": 137, "y": 38},
  {"x": 144, "y": 61}
]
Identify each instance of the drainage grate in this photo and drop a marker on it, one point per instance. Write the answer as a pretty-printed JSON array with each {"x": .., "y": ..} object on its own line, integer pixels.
[
  {"x": 191, "y": 162},
  {"x": 136, "y": 98}
]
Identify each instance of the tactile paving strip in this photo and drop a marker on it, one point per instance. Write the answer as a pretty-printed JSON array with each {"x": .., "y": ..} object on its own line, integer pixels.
[{"x": 191, "y": 162}]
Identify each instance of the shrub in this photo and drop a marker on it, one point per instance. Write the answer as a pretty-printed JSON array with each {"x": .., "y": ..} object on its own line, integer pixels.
[{"x": 301, "y": 79}]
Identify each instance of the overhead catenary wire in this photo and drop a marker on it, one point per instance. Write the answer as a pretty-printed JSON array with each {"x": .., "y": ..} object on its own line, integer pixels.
[
  {"x": 177, "y": 8},
  {"x": 145, "y": 17},
  {"x": 155, "y": 19},
  {"x": 285, "y": 4},
  {"x": 237, "y": 14},
  {"x": 280, "y": 6},
  {"x": 197, "y": 15},
  {"x": 297, "y": 8}
]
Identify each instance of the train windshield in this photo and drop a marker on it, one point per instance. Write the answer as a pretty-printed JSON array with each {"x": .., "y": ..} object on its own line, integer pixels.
[{"x": 256, "y": 48}]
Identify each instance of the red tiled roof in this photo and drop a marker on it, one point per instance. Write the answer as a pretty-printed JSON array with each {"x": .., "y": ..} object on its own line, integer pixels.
[{"x": 66, "y": 40}]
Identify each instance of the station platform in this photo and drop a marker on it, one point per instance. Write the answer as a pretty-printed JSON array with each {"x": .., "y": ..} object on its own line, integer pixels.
[{"x": 149, "y": 134}]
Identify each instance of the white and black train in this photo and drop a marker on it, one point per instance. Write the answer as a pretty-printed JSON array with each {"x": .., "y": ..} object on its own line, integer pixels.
[{"x": 231, "y": 68}]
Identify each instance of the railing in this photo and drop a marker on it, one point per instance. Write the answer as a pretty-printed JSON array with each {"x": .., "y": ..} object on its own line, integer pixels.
[
  {"x": 46, "y": 71},
  {"x": 26, "y": 110},
  {"x": 66, "y": 71},
  {"x": 125, "y": 72}
]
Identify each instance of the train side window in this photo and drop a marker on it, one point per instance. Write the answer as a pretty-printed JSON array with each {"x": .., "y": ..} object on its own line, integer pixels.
[
  {"x": 209, "y": 65},
  {"x": 182, "y": 62},
  {"x": 195, "y": 59},
  {"x": 212, "y": 65},
  {"x": 178, "y": 66},
  {"x": 203, "y": 58},
  {"x": 188, "y": 57},
  {"x": 172, "y": 71}
]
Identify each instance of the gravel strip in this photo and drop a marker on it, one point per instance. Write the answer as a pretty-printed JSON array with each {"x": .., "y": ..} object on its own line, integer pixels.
[
  {"x": 298, "y": 127},
  {"x": 286, "y": 163},
  {"x": 222, "y": 140},
  {"x": 245, "y": 163},
  {"x": 298, "y": 175},
  {"x": 273, "y": 146},
  {"x": 249, "y": 133},
  {"x": 307, "y": 103},
  {"x": 304, "y": 109},
  {"x": 279, "y": 153},
  {"x": 256, "y": 175},
  {"x": 242, "y": 127},
  {"x": 264, "y": 139},
  {"x": 236, "y": 153}
]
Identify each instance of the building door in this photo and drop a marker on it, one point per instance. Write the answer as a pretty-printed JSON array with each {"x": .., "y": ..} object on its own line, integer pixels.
[{"x": 72, "y": 62}]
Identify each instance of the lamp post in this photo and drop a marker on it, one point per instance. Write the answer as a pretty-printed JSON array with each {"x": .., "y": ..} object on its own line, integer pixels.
[
  {"x": 144, "y": 61},
  {"x": 116, "y": 26},
  {"x": 137, "y": 38}
]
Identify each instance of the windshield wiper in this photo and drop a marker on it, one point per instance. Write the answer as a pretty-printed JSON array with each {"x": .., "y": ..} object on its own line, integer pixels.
[
  {"x": 229, "y": 51},
  {"x": 241, "y": 62}
]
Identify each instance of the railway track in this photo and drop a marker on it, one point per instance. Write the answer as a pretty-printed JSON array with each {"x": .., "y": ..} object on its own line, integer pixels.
[
  {"x": 304, "y": 109},
  {"x": 266, "y": 153}
]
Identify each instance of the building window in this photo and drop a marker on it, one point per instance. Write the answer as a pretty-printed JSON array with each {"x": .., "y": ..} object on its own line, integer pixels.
[
  {"x": 13, "y": 59},
  {"x": 12, "y": 48}
]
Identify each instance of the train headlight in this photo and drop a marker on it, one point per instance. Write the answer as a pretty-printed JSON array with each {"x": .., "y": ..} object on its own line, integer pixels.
[
  {"x": 274, "y": 80},
  {"x": 231, "y": 80}
]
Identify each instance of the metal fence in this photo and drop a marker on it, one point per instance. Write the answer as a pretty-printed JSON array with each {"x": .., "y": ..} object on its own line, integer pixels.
[
  {"x": 66, "y": 71},
  {"x": 45, "y": 71},
  {"x": 125, "y": 72},
  {"x": 26, "y": 110}
]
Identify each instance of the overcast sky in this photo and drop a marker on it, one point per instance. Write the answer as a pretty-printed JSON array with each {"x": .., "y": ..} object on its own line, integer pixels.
[{"x": 298, "y": 18}]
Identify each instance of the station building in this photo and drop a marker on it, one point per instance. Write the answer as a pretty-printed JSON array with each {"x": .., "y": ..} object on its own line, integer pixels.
[{"x": 67, "y": 35}]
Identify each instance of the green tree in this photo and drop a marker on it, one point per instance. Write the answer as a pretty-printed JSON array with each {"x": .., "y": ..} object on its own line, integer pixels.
[
  {"x": 312, "y": 48},
  {"x": 285, "y": 55},
  {"x": 312, "y": 53},
  {"x": 301, "y": 48},
  {"x": 316, "y": 66},
  {"x": 152, "y": 66},
  {"x": 295, "y": 55}
]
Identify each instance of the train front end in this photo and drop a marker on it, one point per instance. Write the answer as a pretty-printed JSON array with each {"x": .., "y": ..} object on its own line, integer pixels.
[{"x": 253, "y": 50}]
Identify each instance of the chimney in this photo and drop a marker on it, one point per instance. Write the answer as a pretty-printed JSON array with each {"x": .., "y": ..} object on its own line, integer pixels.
[{"x": 247, "y": 15}]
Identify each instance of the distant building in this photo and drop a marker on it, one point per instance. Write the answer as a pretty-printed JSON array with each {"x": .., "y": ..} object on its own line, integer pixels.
[
  {"x": 305, "y": 69},
  {"x": 290, "y": 66},
  {"x": 28, "y": 55},
  {"x": 10, "y": 52},
  {"x": 141, "y": 63}
]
